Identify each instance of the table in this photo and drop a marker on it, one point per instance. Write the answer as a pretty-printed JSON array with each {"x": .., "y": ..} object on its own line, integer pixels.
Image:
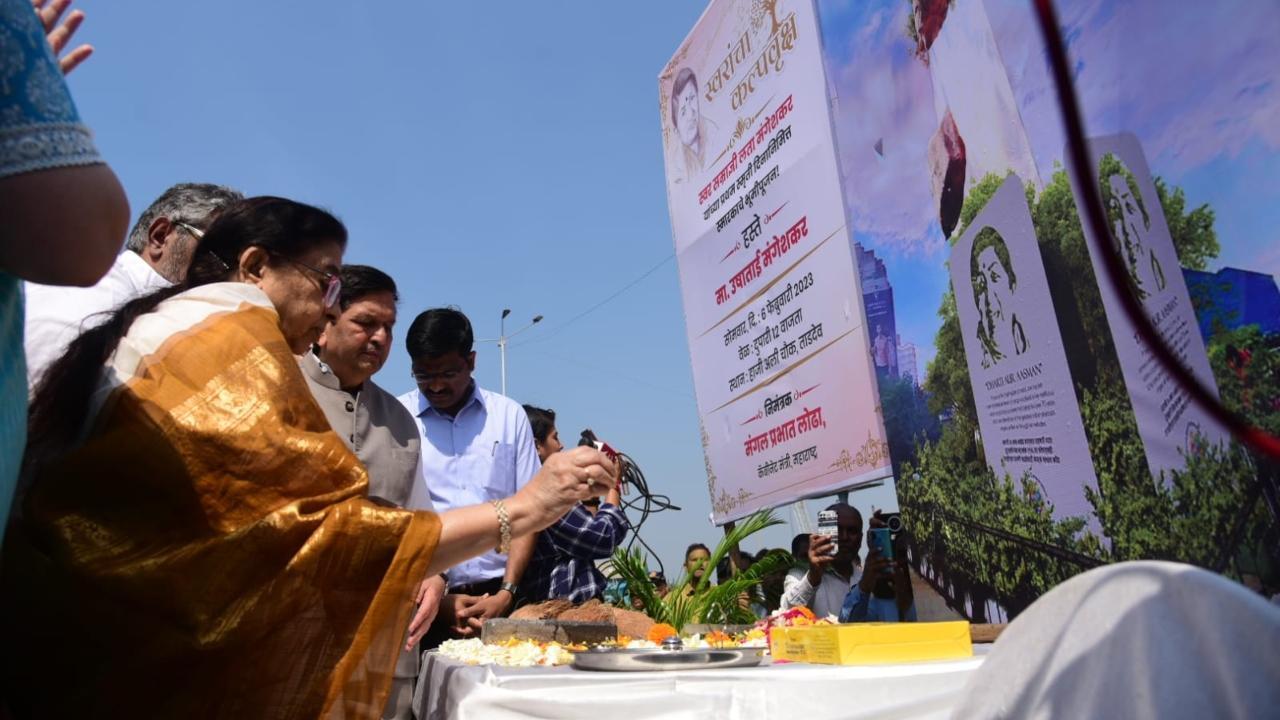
[{"x": 449, "y": 690}]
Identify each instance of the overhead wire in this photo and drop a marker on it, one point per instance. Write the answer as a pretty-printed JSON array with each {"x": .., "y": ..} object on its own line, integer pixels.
[
  {"x": 610, "y": 373},
  {"x": 645, "y": 503},
  {"x": 612, "y": 296}
]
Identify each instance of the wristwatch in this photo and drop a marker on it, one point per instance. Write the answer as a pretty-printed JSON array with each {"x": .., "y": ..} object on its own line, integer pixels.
[{"x": 509, "y": 587}]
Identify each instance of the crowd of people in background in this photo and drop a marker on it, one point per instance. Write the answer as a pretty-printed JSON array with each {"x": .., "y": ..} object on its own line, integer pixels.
[
  {"x": 837, "y": 584},
  {"x": 209, "y": 489}
]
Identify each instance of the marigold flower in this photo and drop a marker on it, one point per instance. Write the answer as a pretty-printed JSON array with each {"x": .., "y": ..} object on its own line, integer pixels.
[
  {"x": 719, "y": 639},
  {"x": 660, "y": 632}
]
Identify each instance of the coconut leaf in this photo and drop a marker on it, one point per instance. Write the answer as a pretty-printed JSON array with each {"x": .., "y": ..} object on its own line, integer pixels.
[
  {"x": 632, "y": 566},
  {"x": 704, "y": 602},
  {"x": 722, "y": 603}
]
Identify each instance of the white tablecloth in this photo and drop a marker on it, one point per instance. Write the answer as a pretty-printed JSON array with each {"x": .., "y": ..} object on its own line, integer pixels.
[{"x": 448, "y": 690}]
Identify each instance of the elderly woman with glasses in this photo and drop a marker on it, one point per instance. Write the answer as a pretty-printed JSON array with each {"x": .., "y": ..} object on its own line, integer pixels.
[{"x": 194, "y": 540}]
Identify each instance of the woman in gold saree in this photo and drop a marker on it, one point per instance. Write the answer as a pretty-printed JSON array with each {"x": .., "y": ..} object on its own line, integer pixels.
[{"x": 195, "y": 541}]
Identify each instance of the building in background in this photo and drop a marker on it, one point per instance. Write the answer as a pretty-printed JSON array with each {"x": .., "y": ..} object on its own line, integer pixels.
[
  {"x": 877, "y": 297},
  {"x": 907, "y": 362},
  {"x": 1233, "y": 298}
]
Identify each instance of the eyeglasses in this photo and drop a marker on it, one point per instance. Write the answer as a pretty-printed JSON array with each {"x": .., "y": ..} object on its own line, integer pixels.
[
  {"x": 332, "y": 289},
  {"x": 197, "y": 232},
  {"x": 447, "y": 376}
]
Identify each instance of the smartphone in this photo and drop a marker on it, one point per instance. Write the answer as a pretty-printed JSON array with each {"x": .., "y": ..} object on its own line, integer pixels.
[
  {"x": 881, "y": 538},
  {"x": 827, "y": 526}
]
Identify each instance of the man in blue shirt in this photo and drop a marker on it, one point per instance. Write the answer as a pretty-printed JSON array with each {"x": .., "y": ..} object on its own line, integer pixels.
[
  {"x": 476, "y": 447},
  {"x": 883, "y": 594},
  {"x": 563, "y": 564}
]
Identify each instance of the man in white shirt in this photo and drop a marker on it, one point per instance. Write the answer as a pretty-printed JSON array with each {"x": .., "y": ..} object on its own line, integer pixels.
[
  {"x": 822, "y": 587},
  {"x": 477, "y": 447},
  {"x": 156, "y": 255}
]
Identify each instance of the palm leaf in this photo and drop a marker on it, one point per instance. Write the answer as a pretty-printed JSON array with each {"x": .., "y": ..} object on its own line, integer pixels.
[
  {"x": 632, "y": 566},
  {"x": 683, "y": 605},
  {"x": 721, "y": 603},
  {"x": 749, "y": 526}
]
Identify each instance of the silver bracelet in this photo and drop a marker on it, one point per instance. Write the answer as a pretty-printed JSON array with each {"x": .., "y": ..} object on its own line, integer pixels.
[{"x": 504, "y": 526}]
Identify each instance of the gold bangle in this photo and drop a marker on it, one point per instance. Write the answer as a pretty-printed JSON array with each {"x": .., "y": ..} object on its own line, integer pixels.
[{"x": 504, "y": 526}]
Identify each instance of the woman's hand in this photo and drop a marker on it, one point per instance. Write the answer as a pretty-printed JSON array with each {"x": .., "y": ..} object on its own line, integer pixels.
[
  {"x": 59, "y": 36},
  {"x": 566, "y": 479}
]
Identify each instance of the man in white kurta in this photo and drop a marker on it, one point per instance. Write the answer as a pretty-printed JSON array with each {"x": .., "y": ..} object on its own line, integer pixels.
[{"x": 156, "y": 255}]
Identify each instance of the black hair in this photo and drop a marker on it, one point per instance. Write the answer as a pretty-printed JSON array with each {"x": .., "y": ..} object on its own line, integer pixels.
[
  {"x": 988, "y": 238},
  {"x": 284, "y": 228},
  {"x": 542, "y": 421},
  {"x": 800, "y": 546},
  {"x": 438, "y": 332},
  {"x": 683, "y": 78},
  {"x": 359, "y": 281},
  {"x": 1110, "y": 166},
  {"x": 723, "y": 572},
  {"x": 695, "y": 546},
  {"x": 850, "y": 508}
]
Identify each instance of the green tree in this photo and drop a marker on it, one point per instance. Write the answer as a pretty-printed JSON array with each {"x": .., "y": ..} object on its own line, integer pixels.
[
  {"x": 1129, "y": 504},
  {"x": 907, "y": 419},
  {"x": 1070, "y": 272},
  {"x": 1192, "y": 232},
  {"x": 1247, "y": 369},
  {"x": 1182, "y": 516}
]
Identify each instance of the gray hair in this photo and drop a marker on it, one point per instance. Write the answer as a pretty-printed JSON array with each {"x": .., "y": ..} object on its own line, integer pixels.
[{"x": 191, "y": 203}]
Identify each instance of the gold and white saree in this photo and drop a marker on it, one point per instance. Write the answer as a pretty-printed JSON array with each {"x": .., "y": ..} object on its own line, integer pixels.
[{"x": 208, "y": 551}]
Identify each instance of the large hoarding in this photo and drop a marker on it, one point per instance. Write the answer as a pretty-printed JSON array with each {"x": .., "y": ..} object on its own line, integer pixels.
[
  {"x": 782, "y": 367},
  {"x": 938, "y": 105}
]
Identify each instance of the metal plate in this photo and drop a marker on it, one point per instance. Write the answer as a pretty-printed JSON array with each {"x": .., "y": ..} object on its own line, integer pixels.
[{"x": 657, "y": 660}]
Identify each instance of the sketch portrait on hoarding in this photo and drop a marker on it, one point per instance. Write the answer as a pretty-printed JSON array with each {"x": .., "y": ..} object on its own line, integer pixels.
[
  {"x": 687, "y": 119},
  {"x": 994, "y": 284},
  {"x": 1130, "y": 226}
]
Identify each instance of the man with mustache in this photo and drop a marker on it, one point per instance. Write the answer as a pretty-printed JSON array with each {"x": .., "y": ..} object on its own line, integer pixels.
[
  {"x": 373, "y": 423},
  {"x": 477, "y": 447}
]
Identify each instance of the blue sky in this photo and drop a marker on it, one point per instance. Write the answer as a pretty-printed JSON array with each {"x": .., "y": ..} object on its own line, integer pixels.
[
  {"x": 1209, "y": 120},
  {"x": 508, "y": 154},
  {"x": 487, "y": 155}
]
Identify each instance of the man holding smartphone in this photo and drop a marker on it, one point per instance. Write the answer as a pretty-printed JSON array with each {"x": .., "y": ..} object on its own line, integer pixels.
[
  {"x": 822, "y": 587},
  {"x": 883, "y": 593}
]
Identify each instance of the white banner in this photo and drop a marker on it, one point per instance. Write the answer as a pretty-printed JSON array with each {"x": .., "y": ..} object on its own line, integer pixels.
[
  {"x": 1170, "y": 426},
  {"x": 773, "y": 310},
  {"x": 1026, "y": 401}
]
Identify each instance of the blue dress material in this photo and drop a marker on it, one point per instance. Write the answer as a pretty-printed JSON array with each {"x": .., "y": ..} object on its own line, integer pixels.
[{"x": 39, "y": 130}]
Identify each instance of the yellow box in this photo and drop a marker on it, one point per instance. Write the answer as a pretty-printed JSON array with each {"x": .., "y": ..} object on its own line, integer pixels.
[{"x": 872, "y": 643}]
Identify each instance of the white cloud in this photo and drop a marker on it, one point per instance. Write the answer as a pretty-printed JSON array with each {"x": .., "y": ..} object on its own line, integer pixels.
[
  {"x": 885, "y": 94},
  {"x": 1194, "y": 81}
]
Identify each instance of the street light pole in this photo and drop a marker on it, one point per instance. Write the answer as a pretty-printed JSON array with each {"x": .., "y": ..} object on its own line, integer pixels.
[
  {"x": 503, "y": 338},
  {"x": 502, "y": 346}
]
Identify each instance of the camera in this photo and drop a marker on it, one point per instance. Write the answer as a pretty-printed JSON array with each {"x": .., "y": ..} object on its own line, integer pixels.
[
  {"x": 827, "y": 526},
  {"x": 589, "y": 439},
  {"x": 893, "y": 521}
]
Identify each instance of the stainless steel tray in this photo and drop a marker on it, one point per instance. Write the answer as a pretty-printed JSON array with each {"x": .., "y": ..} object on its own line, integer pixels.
[{"x": 659, "y": 660}]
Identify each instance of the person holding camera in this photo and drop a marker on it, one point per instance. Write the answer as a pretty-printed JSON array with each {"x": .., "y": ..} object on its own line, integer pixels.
[
  {"x": 563, "y": 563},
  {"x": 883, "y": 594},
  {"x": 822, "y": 586}
]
